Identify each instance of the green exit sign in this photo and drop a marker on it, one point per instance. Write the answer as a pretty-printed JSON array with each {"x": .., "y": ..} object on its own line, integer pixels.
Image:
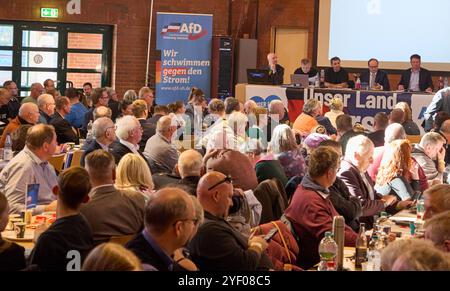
[{"x": 49, "y": 12}]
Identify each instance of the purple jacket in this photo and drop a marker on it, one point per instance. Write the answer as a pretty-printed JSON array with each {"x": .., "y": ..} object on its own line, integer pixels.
[{"x": 355, "y": 183}]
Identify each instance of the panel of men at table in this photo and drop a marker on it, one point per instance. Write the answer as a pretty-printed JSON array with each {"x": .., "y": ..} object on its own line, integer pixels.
[{"x": 414, "y": 79}]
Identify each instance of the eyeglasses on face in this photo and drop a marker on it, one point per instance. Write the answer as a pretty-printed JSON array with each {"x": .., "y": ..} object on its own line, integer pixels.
[{"x": 227, "y": 179}]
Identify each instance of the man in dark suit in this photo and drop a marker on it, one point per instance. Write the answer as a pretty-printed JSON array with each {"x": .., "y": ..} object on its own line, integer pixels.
[
  {"x": 104, "y": 135},
  {"x": 129, "y": 134},
  {"x": 64, "y": 131},
  {"x": 377, "y": 79},
  {"x": 99, "y": 98},
  {"x": 380, "y": 124},
  {"x": 158, "y": 112},
  {"x": 140, "y": 111},
  {"x": 276, "y": 72},
  {"x": 417, "y": 78},
  {"x": 231, "y": 251},
  {"x": 170, "y": 222},
  {"x": 353, "y": 172}
]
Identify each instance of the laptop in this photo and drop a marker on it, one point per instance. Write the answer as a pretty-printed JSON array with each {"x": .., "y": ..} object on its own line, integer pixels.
[
  {"x": 300, "y": 80},
  {"x": 258, "y": 77}
]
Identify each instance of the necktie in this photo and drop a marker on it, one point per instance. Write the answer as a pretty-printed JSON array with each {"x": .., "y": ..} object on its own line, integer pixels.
[{"x": 372, "y": 80}]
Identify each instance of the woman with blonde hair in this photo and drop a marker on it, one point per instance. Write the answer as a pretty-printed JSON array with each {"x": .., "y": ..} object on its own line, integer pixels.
[
  {"x": 411, "y": 128},
  {"x": 336, "y": 109},
  {"x": 398, "y": 173},
  {"x": 111, "y": 257},
  {"x": 133, "y": 173}
]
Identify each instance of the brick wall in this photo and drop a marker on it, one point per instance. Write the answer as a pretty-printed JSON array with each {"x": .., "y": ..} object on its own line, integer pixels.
[{"x": 131, "y": 21}]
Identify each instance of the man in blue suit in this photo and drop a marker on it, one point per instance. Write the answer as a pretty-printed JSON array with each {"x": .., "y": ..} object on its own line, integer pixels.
[{"x": 376, "y": 78}]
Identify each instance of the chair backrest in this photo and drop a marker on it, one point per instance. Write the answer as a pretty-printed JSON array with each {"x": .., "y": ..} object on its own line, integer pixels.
[
  {"x": 76, "y": 158},
  {"x": 414, "y": 139},
  {"x": 57, "y": 161},
  {"x": 121, "y": 239}
]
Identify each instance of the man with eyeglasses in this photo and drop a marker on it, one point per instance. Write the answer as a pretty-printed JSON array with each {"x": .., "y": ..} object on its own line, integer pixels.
[
  {"x": 170, "y": 222},
  {"x": 46, "y": 104},
  {"x": 376, "y": 79},
  {"x": 104, "y": 134},
  {"x": 99, "y": 98},
  {"x": 217, "y": 246}
]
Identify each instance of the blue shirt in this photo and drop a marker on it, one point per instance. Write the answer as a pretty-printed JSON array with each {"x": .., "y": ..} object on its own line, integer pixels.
[
  {"x": 76, "y": 115},
  {"x": 164, "y": 257}
]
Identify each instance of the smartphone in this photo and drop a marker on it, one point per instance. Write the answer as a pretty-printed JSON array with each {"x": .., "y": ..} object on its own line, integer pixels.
[{"x": 32, "y": 196}]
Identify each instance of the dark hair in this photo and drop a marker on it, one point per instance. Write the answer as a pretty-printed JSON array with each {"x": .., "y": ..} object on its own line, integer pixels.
[
  {"x": 97, "y": 94},
  {"x": 415, "y": 56},
  {"x": 231, "y": 104},
  {"x": 38, "y": 135},
  {"x": 7, "y": 83},
  {"x": 61, "y": 102},
  {"x": 47, "y": 81},
  {"x": 125, "y": 103},
  {"x": 440, "y": 118},
  {"x": 372, "y": 59},
  {"x": 335, "y": 59},
  {"x": 196, "y": 95},
  {"x": 3, "y": 204},
  {"x": 382, "y": 120},
  {"x": 344, "y": 123},
  {"x": 161, "y": 213},
  {"x": 322, "y": 160},
  {"x": 74, "y": 186},
  {"x": 216, "y": 105},
  {"x": 72, "y": 93},
  {"x": 330, "y": 143},
  {"x": 175, "y": 106},
  {"x": 397, "y": 115},
  {"x": 19, "y": 137},
  {"x": 87, "y": 84},
  {"x": 161, "y": 108}
]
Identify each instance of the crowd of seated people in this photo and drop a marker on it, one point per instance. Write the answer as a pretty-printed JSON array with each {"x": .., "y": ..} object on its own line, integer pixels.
[{"x": 140, "y": 201}]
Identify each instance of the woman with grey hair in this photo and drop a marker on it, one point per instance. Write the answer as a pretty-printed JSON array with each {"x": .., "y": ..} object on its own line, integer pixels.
[{"x": 285, "y": 149}]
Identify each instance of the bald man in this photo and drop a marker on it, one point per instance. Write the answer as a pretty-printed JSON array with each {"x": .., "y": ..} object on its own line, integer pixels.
[
  {"x": 217, "y": 246},
  {"x": 190, "y": 168},
  {"x": 276, "y": 72},
  {"x": 170, "y": 223},
  {"x": 36, "y": 90},
  {"x": 28, "y": 114}
]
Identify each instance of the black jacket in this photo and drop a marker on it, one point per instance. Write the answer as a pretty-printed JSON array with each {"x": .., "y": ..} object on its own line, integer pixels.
[
  {"x": 93, "y": 146},
  {"x": 118, "y": 150},
  {"x": 278, "y": 77},
  {"x": 425, "y": 80},
  {"x": 381, "y": 78},
  {"x": 64, "y": 131},
  {"x": 217, "y": 246},
  {"x": 148, "y": 130},
  {"x": 12, "y": 256},
  {"x": 345, "y": 204},
  {"x": 115, "y": 109},
  {"x": 190, "y": 183},
  {"x": 145, "y": 252}
]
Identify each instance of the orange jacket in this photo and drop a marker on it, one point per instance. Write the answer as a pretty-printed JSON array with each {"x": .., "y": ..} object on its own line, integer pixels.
[{"x": 10, "y": 128}]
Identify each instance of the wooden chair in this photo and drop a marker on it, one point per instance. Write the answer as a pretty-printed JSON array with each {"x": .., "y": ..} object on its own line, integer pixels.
[
  {"x": 121, "y": 239},
  {"x": 57, "y": 161},
  {"x": 414, "y": 139},
  {"x": 76, "y": 158}
]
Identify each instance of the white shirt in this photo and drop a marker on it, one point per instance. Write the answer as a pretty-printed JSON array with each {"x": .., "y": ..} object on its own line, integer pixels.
[{"x": 414, "y": 81}]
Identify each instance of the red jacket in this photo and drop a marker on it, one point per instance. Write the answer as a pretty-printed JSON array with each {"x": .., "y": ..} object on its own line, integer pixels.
[{"x": 312, "y": 215}]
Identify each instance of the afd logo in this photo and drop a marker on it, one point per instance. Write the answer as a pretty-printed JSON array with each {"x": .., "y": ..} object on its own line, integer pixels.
[
  {"x": 264, "y": 102},
  {"x": 193, "y": 30}
]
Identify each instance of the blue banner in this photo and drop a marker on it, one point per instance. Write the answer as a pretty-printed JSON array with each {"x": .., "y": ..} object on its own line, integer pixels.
[{"x": 185, "y": 43}]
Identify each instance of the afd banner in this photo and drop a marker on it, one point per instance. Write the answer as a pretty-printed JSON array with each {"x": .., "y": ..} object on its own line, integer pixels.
[
  {"x": 361, "y": 105},
  {"x": 185, "y": 43}
]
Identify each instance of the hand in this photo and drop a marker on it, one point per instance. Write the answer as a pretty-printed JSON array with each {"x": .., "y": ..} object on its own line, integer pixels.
[
  {"x": 389, "y": 199},
  {"x": 210, "y": 155},
  {"x": 429, "y": 90},
  {"x": 257, "y": 242},
  {"x": 401, "y": 88},
  {"x": 51, "y": 206},
  {"x": 405, "y": 204}
]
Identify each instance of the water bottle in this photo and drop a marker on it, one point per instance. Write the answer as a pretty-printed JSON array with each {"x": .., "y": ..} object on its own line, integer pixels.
[
  {"x": 361, "y": 246},
  {"x": 419, "y": 223},
  {"x": 328, "y": 253},
  {"x": 373, "y": 255},
  {"x": 322, "y": 78},
  {"x": 382, "y": 219},
  {"x": 7, "y": 150},
  {"x": 317, "y": 82},
  {"x": 358, "y": 83},
  {"x": 89, "y": 130},
  {"x": 440, "y": 83},
  {"x": 445, "y": 82}
]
